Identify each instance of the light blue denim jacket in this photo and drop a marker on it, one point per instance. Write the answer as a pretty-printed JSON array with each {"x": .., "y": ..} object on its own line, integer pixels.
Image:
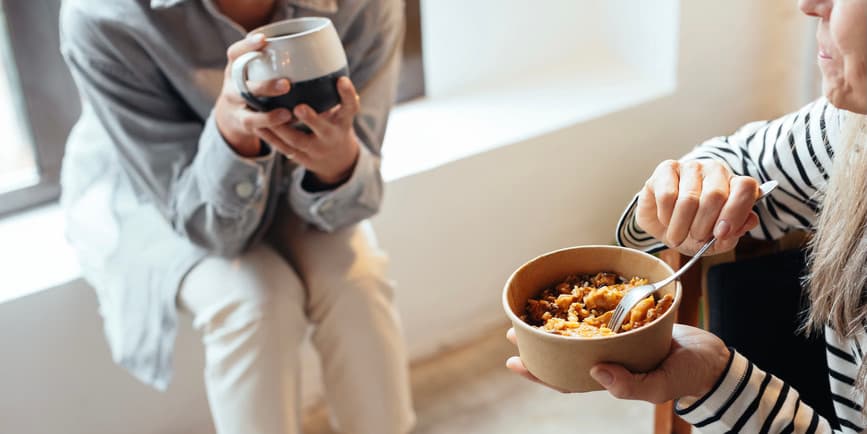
[{"x": 150, "y": 187}]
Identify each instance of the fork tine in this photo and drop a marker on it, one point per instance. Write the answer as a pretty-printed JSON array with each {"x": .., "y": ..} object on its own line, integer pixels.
[
  {"x": 614, "y": 317},
  {"x": 620, "y": 311}
]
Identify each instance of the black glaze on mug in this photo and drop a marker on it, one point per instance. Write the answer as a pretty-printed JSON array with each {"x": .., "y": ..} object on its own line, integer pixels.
[{"x": 319, "y": 93}]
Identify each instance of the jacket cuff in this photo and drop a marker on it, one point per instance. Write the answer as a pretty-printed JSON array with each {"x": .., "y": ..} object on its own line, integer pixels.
[
  {"x": 228, "y": 180},
  {"x": 354, "y": 200},
  {"x": 714, "y": 404}
]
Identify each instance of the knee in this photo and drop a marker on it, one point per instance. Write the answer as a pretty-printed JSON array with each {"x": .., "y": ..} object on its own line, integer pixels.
[
  {"x": 253, "y": 289},
  {"x": 365, "y": 286},
  {"x": 359, "y": 290}
]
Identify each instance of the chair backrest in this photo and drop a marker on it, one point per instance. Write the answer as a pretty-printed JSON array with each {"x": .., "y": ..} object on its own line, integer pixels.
[
  {"x": 727, "y": 289},
  {"x": 739, "y": 295}
]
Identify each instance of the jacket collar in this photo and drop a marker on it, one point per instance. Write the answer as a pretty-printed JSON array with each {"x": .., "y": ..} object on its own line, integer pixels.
[{"x": 322, "y": 6}]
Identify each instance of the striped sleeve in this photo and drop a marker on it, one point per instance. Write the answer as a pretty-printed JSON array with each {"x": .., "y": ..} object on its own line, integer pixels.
[
  {"x": 844, "y": 356},
  {"x": 747, "y": 399},
  {"x": 796, "y": 150}
]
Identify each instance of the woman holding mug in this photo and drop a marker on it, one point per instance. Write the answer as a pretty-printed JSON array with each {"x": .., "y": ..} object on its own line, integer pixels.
[
  {"x": 178, "y": 195},
  {"x": 819, "y": 156}
]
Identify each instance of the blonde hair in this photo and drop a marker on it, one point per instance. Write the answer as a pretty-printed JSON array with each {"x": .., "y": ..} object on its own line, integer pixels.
[{"x": 837, "y": 262}]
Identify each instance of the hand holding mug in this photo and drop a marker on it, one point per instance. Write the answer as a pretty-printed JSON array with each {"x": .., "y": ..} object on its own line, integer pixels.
[
  {"x": 331, "y": 149},
  {"x": 235, "y": 121},
  {"x": 308, "y": 52},
  {"x": 684, "y": 204}
]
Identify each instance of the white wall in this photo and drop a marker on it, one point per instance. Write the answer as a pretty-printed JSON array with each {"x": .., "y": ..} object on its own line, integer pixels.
[
  {"x": 454, "y": 233},
  {"x": 515, "y": 42},
  {"x": 642, "y": 40},
  {"x": 56, "y": 374}
]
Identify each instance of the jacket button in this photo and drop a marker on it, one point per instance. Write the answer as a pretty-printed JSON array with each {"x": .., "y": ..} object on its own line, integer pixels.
[{"x": 244, "y": 189}]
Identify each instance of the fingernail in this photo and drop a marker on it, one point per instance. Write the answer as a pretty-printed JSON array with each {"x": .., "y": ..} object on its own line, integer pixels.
[
  {"x": 255, "y": 38},
  {"x": 722, "y": 229},
  {"x": 282, "y": 84},
  {"x": 602, "y": 376},
  {"x": 301, "y": 111},
  {"x": 285, "y": 115}
]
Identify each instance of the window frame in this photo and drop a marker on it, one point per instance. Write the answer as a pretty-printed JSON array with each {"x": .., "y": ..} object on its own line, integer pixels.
[
  {"x": 46, "y": 100},
  {"x": 411, "y": 80}
]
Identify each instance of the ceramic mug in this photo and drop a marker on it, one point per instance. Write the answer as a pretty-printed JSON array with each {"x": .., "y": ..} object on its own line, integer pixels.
[{"x": 307, "y": 51}]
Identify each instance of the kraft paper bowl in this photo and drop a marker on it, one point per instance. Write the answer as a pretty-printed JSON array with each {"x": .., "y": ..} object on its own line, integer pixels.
[{"x": 565, "y": 361}]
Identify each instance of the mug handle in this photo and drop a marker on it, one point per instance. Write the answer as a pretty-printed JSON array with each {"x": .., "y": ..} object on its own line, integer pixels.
[{"x": 239, "y": 77}]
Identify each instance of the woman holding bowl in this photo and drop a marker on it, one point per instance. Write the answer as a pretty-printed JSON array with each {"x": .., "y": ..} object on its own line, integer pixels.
[{"x": 819, "y": 156}]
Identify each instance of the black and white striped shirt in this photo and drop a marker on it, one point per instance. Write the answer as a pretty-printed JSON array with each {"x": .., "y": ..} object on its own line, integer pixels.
[{"x": 796, "y": 150}]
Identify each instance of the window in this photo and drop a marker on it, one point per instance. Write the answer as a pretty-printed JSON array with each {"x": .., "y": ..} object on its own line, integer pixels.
[
  {"x": 411, "y": 83},
  {"x": 39, "y": 102},
  {"x": 17, "y": 162}
]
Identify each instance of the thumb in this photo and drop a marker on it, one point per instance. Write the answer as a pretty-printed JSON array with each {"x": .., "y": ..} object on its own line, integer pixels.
[
  {"x": 751, "y": 222},
  {"x": 654, "y": 387}
]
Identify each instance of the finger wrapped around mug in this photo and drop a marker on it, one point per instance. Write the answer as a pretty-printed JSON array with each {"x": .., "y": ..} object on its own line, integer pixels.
[
  {"x": 321, "y": 125},
  {"x": 269, "y": 88},
  {"x": 262, "y": 88},
  {"x": 288, "y": 141},
  {"x": 253, "y": 121},
  {"x": 339, "y": 118},
  {"x": 253, "y": 42},
  {"x": 329, "y": 152},
  {"x": 350, "y": 102}
]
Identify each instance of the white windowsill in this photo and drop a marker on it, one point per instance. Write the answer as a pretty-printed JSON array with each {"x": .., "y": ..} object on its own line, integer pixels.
[
  {"x": 34, "y": 254},
  {"x": 422, "y": 135},
  {"x": 428, "y": 133}
]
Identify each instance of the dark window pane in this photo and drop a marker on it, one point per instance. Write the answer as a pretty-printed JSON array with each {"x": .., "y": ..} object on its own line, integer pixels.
[
  {"x": 17, "y": 159},
  {"x": 411, "y": 83}
]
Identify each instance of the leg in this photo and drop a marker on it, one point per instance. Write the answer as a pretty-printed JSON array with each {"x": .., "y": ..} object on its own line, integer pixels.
[
  {"x": 250, "y": 311},
  {"x": 357, "y": 333}
]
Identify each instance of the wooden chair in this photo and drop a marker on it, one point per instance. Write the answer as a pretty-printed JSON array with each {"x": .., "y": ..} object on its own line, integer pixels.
[
  {"x": 665, "y": 421},
  {"x": 695, "y": 301}
]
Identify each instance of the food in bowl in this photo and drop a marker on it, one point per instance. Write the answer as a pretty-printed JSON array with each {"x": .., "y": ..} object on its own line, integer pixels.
[
  {"x": 581, "y": 305},
  {"x": 565, "y": 361}
]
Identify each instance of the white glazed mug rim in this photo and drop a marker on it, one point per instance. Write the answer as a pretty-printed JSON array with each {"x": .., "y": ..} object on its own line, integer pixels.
[{"x": 318, "y": 24}]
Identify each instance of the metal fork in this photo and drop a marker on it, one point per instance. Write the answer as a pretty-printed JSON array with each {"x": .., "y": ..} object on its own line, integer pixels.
[{"x": 635, "y": 295}]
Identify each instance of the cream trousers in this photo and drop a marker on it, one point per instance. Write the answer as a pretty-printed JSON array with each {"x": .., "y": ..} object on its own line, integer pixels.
[{"x": 254, "y": 311}]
